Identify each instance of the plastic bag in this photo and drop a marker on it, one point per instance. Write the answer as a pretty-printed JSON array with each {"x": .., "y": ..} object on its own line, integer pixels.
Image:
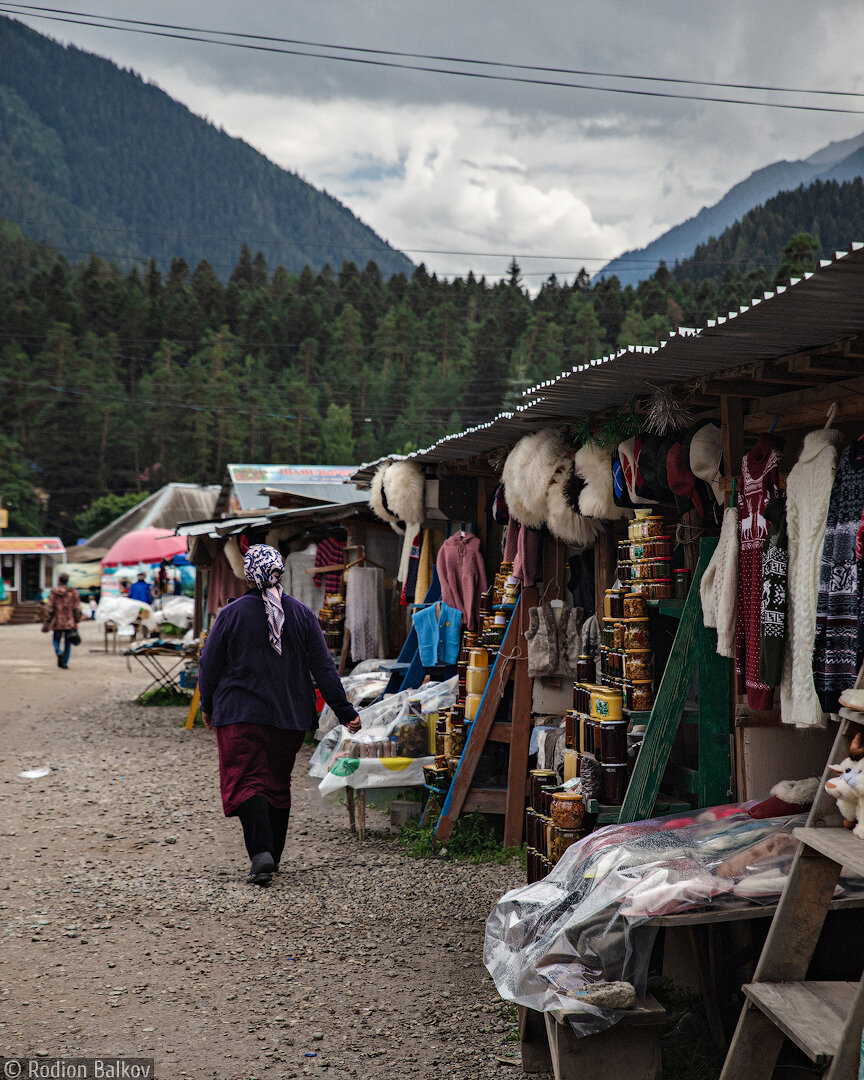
[
  {"x": 380, "y": 722},
  {"x": 588, "y": 921}
]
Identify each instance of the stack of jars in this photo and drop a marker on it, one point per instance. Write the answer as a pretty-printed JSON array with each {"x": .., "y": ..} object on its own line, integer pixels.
[
  {"x": 493, "y": 623},
  {"x": 553, "y": 822},
  {"x": 626, "y": 658},
  {"x": 645, "y": 558},
  {"x": 331, "y": 618}
]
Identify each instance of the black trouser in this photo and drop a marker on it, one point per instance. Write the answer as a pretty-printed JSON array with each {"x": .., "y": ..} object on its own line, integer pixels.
[{"x": 264, "y": 827}]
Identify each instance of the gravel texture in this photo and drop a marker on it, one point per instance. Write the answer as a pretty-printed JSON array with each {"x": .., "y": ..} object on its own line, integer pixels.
[{"x": 129, "y": 928}]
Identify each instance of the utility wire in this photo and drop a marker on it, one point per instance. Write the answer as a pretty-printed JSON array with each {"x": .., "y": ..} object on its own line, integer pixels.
[
  {"x": 433, "y": 70},
  {"x": 443, "y": 58}
]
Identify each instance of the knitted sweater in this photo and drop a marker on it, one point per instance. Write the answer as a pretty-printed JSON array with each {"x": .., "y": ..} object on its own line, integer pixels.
[
  {"x": 719, "y": 585},
  {"x": 808, "y": 491},
  {"x": 462, "y": 574},
  {"x": 836, "y": 656},
  {"x": 775, "y": 558},
  {"x": 758, "y": 485}
]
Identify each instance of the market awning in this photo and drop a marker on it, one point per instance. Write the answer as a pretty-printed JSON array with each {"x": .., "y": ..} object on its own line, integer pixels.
[
  {"x": 31, "y": 545},
  {"x": 144, "y": 546},
  {"x": 221, "y": 527}
]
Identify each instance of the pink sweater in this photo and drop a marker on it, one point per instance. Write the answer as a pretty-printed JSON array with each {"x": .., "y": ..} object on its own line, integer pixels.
[{"x": 462, "y": 574}]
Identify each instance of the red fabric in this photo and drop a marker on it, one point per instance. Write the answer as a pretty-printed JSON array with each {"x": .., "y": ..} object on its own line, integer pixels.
[
  {"x": 256, "y": 759},
  {"x": 759, "y": 482},
  {"x": 775, "y": 807},
  {"x": 511, "y": 540},
  {"x": 330, "y": 552},
  {"x": 462, "y": 575}
]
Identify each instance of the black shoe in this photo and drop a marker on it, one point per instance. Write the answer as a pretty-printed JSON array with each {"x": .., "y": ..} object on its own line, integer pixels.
[
  {"x": 59, "y": 661},
  {"x": 261, "y": 869}
]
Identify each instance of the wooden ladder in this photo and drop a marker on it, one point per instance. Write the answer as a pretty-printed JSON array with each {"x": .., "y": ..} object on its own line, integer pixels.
[{"x": 823, "y": 1018}]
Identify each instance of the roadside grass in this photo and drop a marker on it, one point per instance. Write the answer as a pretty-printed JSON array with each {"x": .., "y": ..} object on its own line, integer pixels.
[{"x": 473, "y": 840}]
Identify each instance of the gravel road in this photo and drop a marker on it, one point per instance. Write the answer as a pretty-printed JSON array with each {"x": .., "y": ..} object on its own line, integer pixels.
[{"x": 129, "y": 928}]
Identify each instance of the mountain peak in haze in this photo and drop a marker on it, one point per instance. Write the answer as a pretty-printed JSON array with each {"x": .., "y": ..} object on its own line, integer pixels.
[{"x": 842, "y": 160}]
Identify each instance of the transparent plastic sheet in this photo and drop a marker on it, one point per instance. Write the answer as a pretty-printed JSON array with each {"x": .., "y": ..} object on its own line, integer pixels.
[
  {"x": 588, "y": 921},
  {"x": 382, "y": 720},
  {"x": 177, "y": 610},
  {"x": 361, "y": 690}
]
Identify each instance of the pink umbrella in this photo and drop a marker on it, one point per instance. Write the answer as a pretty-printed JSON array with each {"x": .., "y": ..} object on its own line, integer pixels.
[{"x": 144, "y": 546}]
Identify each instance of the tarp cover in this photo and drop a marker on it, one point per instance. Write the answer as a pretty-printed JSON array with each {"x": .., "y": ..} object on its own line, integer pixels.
[{"x": 588, "y": 921}]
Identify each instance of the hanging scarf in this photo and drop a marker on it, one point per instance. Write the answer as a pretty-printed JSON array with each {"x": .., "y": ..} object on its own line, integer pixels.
[{"x": 263, "y": 567}]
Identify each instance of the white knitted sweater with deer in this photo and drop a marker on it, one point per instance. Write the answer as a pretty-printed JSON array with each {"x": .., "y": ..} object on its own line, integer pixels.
[{"x": 808, "y": 491}]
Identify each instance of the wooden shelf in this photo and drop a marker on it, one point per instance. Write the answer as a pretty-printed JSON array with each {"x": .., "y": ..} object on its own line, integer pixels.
[
  {"x": 837, "y": 844},
  {"x": 812, "y": 1014}
]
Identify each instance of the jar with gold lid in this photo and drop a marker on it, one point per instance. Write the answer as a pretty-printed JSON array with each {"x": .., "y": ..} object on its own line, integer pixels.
[
  {"x": 637, "y": 665},
  {"x": 568, "y": 809},
  {"x": 636, "y": 635},
  {"x": 635, "y": 606}
]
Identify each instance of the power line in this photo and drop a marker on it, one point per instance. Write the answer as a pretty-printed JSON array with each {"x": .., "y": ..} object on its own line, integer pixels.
[
  {"x": 443, "y": 58},
  {"x": 365, "y": 61}
]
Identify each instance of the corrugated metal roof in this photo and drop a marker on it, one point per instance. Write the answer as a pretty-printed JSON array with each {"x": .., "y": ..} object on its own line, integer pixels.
[
  {"x": 217, "y": 527},
  {"x": 821, "y": 308}
]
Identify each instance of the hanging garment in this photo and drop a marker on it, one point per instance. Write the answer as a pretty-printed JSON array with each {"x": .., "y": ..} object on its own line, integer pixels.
[
  {"x": 554, "y": 646},
  {"x": 409, "y": 585},
  {"x": 511, "y": 541},
  {"x": 364, "y": 612},
  {"x": 439, "y": 630},
  {"x": 581, "y": 580},
  {"x": 297, "y": 583},
  {"x": 330, "y": 552},
  {"x": 808, "y": 491},
  {"x": 719, "y": 586},
  {"x": 836, "y": 655},
  {"x": 527, "y": 553},
  {"x": 759, "y": 483},
  {"x": 462, "y": 574},
  {"x": 772, "y": 608},
  {"x": 424, "y": 567}
]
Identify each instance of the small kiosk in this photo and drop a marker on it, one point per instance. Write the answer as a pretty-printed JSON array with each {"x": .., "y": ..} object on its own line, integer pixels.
[{"x": 26, "y": 569}]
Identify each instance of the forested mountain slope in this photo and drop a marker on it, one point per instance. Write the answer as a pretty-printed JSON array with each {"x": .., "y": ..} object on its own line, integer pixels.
[{"x": 94, "y": 159}]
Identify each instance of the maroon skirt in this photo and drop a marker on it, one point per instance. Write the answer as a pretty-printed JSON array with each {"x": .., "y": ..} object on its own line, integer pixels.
[{"x": 256, "y": 759}]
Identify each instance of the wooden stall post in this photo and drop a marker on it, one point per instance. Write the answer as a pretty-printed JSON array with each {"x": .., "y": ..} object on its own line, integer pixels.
[
  {"x": 605, "y": 565},
  {"x": 520, "y": 735}
]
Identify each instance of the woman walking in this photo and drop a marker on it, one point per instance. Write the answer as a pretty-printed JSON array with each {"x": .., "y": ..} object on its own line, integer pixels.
[
  {"x": 63, "y": 615},
  {"x": 255, "y": 678}
]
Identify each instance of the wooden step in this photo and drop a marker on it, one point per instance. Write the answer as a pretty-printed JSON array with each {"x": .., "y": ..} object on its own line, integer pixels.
[
  {"x": 812, "y": 1014},
  {"x": 836, "y": 844}
]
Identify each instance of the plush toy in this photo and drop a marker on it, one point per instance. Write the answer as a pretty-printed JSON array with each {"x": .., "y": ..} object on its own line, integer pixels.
[{"x": 848, "y": 789}]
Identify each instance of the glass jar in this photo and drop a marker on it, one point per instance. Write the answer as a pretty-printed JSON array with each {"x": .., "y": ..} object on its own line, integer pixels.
[
  {"x": 642, "y": 696},
  {"x": 607, "y": 631},
  {"x": 635, "y": 606},
  {"x": 586, "y": 669},
  {"x": 638, "y": 665},
  {"x": 651, "y": 527},
  {"x": 662, "y": 589},
  {"x": 563, "y": 839},
  {"x": 476, "y": 680},
  {"x": 682, "y": 583},
  {"x": 661, "y": 568},
  {"x": 661, "y": 547},
  {"x": 607, "y": 704},
  {"x": 568, "y": 810},
  {"x": 618, "y": 635},
  {"x": 639, "y": 550},
  {"x": 537, "y": 779},
  {"x": 637, "y": 635},
  {"x": 613, "y": 784},
  {"x": 586, "y": 734},
  {"x": 613, "y": 742},
  {"x": 643, "y": 570}
]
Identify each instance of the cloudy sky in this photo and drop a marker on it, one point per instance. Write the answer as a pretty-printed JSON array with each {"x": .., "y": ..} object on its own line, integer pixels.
[{"x": 439, "y": 163}]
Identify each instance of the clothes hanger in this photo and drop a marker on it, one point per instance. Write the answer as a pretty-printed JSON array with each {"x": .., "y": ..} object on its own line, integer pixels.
[{"x": 832, "y": 412}]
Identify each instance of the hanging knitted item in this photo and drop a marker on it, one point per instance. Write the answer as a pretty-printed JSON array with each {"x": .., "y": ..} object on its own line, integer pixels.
[
  {"x": 594, "y": 465},
  {"x": 569, "y": 527},
  {"x": 378, "y": 498},
  {"x": 773, "y": 604},
  {"x": 836, "y": 652},
  {"x": 528, "y": 471},
  {"x": 759, "y": 483}
]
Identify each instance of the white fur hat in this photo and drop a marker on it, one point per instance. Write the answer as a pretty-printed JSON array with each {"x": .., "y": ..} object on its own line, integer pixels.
[
  {"x": 594, "y": 465},
  {"x": 527, "y": 474},
  {"x": 404, "y": 488},
  {"x": 563, "y": 523},
  {"x": 378, "y": 500}
]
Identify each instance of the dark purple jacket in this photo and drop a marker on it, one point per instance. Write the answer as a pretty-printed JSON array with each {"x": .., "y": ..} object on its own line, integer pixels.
[{"x": 243, "y": 679}]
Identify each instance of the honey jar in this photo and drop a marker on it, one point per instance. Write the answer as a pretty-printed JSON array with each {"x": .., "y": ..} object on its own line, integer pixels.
[
  {"x": 607, "y": 704},
  {"x": 636, "y": 635},
  {"x": 637, "y": 667},
  {"x": 563, "y": 839},
  {"x": 642, "y": 696},
  {"x": 568, "y": 809}
]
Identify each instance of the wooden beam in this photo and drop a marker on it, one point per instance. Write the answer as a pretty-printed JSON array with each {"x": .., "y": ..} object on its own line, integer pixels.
[
  {"x": 745, "y": 389},
  {"x": 520, "y": 735},
  {"x": 487, "y": 800},
  {"x": 477, "y": 737},
  {"x": 826, "y": 392}
]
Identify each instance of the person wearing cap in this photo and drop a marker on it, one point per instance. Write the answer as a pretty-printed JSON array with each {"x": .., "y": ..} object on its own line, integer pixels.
[{"x": 255, "y": 676}]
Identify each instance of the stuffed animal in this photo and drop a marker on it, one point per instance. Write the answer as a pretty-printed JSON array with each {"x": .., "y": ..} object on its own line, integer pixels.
[{"x": 848, "y": 789}]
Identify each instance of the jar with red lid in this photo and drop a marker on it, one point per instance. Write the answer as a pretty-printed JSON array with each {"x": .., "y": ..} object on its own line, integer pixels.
[
  {"x": 661, "y": 547},
  {"x": 661, "y": 568},
  {"x": 662, "y": 589},
  {"x": 682, "y": 583},
  {"x": 642, "y": 570}
]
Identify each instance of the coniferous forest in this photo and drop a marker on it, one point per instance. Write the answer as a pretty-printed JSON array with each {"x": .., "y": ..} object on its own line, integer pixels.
[{"x": 120, "y": 382}]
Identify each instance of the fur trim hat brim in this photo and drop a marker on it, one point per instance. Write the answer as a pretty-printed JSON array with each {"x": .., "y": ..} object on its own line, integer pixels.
[
  {"x": 404, "y": 489},
  {"x": 378, "y": 499},
  {"x": 527, "y": 474},
  {"x": 594, "y": 465},
  {"x": 569, "y": 527}
]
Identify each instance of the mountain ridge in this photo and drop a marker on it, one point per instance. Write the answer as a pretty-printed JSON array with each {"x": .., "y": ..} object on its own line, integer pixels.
[{"x": 94, "y": 157}]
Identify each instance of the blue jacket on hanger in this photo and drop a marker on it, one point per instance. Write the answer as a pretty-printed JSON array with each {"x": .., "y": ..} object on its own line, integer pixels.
[{"x": 438, "y": 633}]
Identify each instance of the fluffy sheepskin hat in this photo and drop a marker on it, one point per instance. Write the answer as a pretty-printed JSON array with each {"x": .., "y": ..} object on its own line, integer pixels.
[
  {"x": 378, "y": 499},
  {"x": 527, "y": 474},
  {"x": 565, "y": 524},
  {"x": 404, "y": 488},
  {"x": 594, "y": 465}
]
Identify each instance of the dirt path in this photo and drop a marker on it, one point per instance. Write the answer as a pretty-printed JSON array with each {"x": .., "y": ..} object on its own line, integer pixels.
[{"x": 129, "y": 929}]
